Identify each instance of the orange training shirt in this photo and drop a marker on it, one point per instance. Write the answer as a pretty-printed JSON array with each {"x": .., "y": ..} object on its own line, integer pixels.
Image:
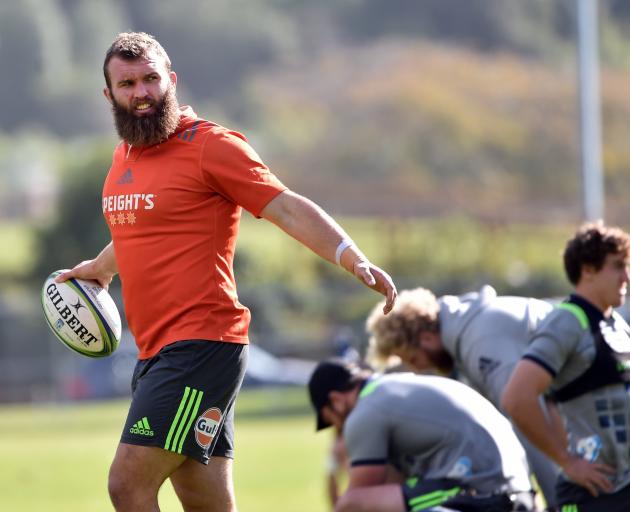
[{"x": 173, "y": 211}]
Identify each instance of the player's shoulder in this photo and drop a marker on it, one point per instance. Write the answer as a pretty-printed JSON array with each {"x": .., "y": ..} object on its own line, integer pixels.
[
  {"x": 566, "y": 321},
  {"x": 381, "y": 388},
  {"x": 570, "y": 316},
  {"x": 215, "y": 133},
  {"x": 224, "y": 143}
]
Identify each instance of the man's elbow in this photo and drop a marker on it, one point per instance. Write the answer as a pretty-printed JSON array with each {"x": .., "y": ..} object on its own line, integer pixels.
[{"x": 509, "y": 402}]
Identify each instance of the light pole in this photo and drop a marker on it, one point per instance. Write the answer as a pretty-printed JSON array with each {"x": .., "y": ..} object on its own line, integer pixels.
[{"x": 590, "y": 111}]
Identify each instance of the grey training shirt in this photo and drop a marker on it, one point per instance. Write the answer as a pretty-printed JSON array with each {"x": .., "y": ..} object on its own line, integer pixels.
[
  {"x": 488, "y": 334},
  {"x": 434, "y": 427},
  {"x": 598, "y": 422}
]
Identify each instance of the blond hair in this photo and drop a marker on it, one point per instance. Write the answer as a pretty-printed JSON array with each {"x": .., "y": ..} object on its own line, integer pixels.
[{"x": 415, "y": 311}]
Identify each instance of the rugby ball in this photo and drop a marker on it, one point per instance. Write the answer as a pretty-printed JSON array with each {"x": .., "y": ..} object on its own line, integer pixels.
[{"x": 82, "y": 315}]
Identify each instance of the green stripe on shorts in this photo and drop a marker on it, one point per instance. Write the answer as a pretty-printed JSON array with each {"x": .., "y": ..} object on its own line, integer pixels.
[
  {"x": 191, "y": 418},
  {"x": 432, "y": 499},
  {"x": 186, "y": 413}
]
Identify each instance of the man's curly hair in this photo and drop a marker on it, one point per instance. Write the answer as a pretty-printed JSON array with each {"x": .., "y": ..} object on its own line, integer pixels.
[
  {"x": 590, "y": 245},
  {"x": 415, "y": 311},
  {"x": 132, "y": 46}
]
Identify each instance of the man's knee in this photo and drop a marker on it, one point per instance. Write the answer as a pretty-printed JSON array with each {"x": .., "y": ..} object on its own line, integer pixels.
[
  {"x": 205, "y": 488},
  {"x": 126, "y": 494},
  {"x": 136, "y": 475},
  {"x": 118, "y": 488}
]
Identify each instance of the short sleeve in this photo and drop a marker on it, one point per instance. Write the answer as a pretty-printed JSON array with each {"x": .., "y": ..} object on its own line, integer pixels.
[
  {"x": 555, "y": 340},
  {"x": 232, "y": 168},
  {"x": 366, "y": 436}
]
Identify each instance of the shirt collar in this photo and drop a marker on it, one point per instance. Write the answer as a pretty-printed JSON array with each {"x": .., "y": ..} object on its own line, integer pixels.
[{"x": 594, "y": 314}]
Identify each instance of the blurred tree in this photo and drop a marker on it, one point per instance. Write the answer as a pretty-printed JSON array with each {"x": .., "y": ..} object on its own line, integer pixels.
[
  {"x": 80, "y": 108},
  {"x": 51, "y": 50},
  {"x": 214, "y": 46},
  {"x": 78, "y": 232},
  {"x": 486, "y": 24},
  {"x": 20, "y": 54}
]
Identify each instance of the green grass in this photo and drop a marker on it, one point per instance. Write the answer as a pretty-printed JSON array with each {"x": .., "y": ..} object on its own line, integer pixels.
[{"x": 56, "y": 457}]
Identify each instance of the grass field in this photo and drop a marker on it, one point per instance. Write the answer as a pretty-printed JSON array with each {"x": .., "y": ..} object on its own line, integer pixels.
[{"x": 56, "y": 457}]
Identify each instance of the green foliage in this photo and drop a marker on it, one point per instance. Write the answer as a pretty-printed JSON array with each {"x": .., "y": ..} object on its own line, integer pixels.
[
  {"x": 19, "y": 53},
  {"x": 298, "y": 300},
  {"x": 78, "y": 232},
  {"x": 52, "y": 50},
  {"x": 278, "y": 465},
  {"x": 17, "y": 260},
  {"x": 452, "y": 254},
  {"x": 410, "y": 128},
  {"x": 424, "y": 108}
]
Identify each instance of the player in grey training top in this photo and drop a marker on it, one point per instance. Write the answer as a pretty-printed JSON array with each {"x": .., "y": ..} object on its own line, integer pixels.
[
  {"x": 581, "y": 356},
  {"x": 452, "y": 446},
  {"x": 482, "y": 335}
]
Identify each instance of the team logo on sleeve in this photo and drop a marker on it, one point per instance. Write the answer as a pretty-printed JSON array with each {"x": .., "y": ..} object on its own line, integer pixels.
[
  {"x": 207, "y": 426},
  {"x": 462, "y": 468}
]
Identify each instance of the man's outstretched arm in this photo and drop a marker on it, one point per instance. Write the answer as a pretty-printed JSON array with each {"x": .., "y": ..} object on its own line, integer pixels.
[{"x": 310, "y": 225}]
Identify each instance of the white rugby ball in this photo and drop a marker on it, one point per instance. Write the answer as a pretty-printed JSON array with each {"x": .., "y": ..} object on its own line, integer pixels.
[{"x": 82, "y": 315}]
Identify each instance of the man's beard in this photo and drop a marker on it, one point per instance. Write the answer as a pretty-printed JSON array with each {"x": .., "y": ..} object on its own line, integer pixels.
[
  {"x": 150, "y": 129},
  {"x": 441, "y": 360}
]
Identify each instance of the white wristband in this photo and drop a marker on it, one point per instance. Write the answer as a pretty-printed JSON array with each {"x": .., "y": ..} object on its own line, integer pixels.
[{"x": 343, "y": 245}]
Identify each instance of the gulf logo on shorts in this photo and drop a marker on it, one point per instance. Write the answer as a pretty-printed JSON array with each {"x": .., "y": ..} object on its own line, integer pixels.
[{"x": 206, "y": 426}]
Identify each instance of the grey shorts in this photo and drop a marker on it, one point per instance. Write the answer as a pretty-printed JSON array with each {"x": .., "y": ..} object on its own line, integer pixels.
[{"x": 183, "y": 399}]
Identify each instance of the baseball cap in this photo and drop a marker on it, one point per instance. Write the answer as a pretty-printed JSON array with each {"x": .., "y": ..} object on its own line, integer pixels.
[{"x": 331, "y": 375}]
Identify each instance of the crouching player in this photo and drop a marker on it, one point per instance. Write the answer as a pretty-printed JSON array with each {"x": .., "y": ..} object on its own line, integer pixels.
[{"x": 452, "y": 449}]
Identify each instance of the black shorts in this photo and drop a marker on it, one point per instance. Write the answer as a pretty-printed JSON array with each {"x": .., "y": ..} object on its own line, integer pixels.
[
  {"x": 183, "y": 398},
  {"x": 575, "y": 498},
  {"x": 428, "y": 495}
]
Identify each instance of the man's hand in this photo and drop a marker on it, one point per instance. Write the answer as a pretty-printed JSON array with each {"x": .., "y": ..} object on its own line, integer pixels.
[
  {"x": 591, "y": 475},
  {"x": 378, "y": 280},
  {"x": 313, "y": 227},
  {"x": 87, "y": 270},
  {"x": 101, "y": 269}
]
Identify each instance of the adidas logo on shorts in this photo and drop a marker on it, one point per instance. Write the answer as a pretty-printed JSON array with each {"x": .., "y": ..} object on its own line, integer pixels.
[{"x": 142, "y": 428}]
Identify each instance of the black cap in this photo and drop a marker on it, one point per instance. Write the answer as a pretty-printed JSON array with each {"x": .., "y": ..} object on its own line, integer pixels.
[{"x": 331, "y": 375}]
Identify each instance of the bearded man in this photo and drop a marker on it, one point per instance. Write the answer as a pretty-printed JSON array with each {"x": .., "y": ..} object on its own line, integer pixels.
[{"x": 172, "y": 200}]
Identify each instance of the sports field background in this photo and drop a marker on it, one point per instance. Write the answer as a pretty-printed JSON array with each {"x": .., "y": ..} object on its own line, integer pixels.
[{"x": 56, "y": 457}]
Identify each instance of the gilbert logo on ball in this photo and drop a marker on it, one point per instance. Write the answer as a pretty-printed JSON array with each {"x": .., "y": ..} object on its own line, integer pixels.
[
  {"x": 82, "y": 315},
  {"x": 207, "y": 426}
]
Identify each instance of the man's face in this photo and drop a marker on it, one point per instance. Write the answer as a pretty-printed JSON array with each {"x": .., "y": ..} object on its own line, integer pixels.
[
  {"x": 427, "y": 354},
  {"x": 337, "y": 409},
  {"x": 413, "y": 357},
  {"x": 609, "y": 284},
  {"x": 142, "y": 95}
]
